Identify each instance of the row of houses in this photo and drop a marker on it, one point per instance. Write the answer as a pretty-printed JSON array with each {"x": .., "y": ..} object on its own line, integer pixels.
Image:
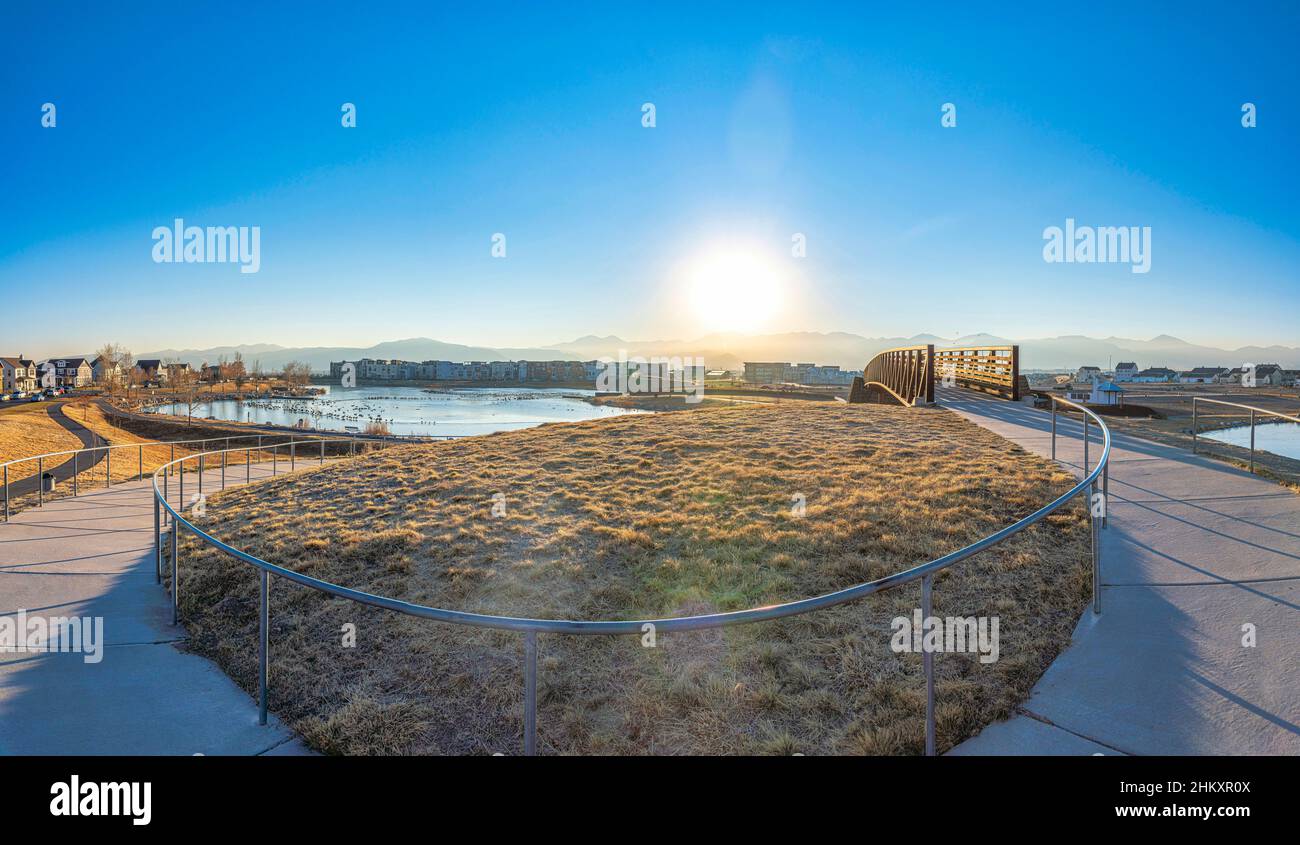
[
  {"x": 375, "y": 369},
  {"x": 1258, "y": 375},
  {"x": 20, "y": 373},
  {"x": 768, "y": 372}
]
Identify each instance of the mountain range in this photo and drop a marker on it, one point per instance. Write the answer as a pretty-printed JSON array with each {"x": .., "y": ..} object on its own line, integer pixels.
[{"x": 728, "y": 351}]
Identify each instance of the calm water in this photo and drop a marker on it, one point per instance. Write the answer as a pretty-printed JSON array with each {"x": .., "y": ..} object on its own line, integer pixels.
[
  {"x": 409, "y": 410},
  {"x": 1281, "y": 438}
]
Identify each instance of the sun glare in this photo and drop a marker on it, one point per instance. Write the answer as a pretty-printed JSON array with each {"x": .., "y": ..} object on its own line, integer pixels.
[{"x": 734, "y": 289}]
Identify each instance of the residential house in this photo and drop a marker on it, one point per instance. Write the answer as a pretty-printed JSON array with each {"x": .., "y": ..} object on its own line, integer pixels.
[
  {"x": 1125, "y": 371},
  {"x": 69, "y": 372},
  {"x": 210, "y": 373},
  {"x": 1291, "y": 378},
  {"x": 1201, "y": 375},
  {"x": 1087, "y": 375},
  {"x": 19, "y": 374},
  {"x": 1264, "y": 375},
  {"x": 150, "y": 371},
  {"x": 105, "y": 372},
  {"x": 1156, "y": 375}
]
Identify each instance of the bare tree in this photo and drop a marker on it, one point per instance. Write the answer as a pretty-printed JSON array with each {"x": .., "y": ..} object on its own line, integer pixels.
[
  {"x": 296, "y": 373},
  {"x": 112, "y": 358}
]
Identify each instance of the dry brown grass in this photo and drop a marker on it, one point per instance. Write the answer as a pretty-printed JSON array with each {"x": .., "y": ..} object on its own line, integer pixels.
[
  {"x": 27, "y": 430},
  {"x": 647, "y": 516}
]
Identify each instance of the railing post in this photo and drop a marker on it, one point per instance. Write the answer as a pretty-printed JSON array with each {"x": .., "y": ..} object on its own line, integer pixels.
[
  {"x": 322, "y": 453},
  {"x": 180, "y": 478},
  {"x": 530, "y": 694},
  {"x": 141, "y": 468},
  {"x": 1085, "y": 444},
  {"x": 157, "y": 539},
  {"x": 202, "y": 461},
  {"x": 6, "y": 492},
  {"x": 1252, "y": 440},
  {"x": 1194, "y": 425},
  {"x": 75, "y": 461},
  {"x": 1053, "y": 428},
  {"x": 275, "y": 462},
  {"x": 223, "y": 466},
  {"x": 293, "y": 453},
  {"x": 1105, "y": 492},
  {"x": 263, "y": 644},
  {"x": 40, "y": 482},
  {"x": 1096, "y": 552},
  {"x": 108, "y": 466},
  {"x": 927, "y": 660},
  {"x": 248, "y": 466},
  {"x": 176, "y": 574}
]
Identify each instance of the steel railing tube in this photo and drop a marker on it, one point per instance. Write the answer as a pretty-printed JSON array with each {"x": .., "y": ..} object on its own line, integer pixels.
[
  {"x": 530, "y": 694},
  {"x": 141, "y": 471},
  {"x": 293, "y": 449},
  {"x": 275, "y": 465},
  {"x": 108, "y": 466},
  {"x": 248, "y": 466},
  {"x": 263, "y": 644},
  {"x": 927, "y": 660},
  {"x": 40, "y": 482},
  {"x": 6, "y": 492},
  {"x": 75, "y": 456},
  {"x": 322, "y": 452},
  {"x": 180, "y": 478}
]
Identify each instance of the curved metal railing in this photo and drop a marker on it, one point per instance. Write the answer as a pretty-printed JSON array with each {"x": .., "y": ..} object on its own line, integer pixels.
[
  {"x": 1254, "y": 412},
  {"x": 531, "y": 628},
  {"x": 106, "y": 450}
]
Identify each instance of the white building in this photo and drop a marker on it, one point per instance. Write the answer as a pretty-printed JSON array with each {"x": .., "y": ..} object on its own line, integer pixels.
[{"x": 1125, "y": 371}]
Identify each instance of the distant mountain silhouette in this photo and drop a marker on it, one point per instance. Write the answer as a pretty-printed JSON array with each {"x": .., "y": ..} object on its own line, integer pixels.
[{"x": 729, "y": 351}]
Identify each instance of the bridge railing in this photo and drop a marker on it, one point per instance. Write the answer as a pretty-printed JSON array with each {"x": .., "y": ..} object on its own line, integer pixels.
[
  {"x": 991, "y": 369},
  {"x": 906, "y": 373},
  {"x": 531, "y": 629},
  {"x": 1254, "y": 414}
]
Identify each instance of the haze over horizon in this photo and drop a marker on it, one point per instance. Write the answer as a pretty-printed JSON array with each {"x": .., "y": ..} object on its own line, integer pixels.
[{"x": 767, "y": 125}]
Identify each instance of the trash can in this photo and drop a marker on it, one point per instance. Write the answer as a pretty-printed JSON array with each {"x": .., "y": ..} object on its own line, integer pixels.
[{"x": 47, "y": 482}]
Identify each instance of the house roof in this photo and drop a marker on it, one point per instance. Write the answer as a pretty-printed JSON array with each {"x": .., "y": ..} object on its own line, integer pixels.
[
  {"x": 18, "y": 362},
  {"x": 1098, "y": 369},
  {"x": 1110, "y": 387},
  {"x": 1126, "y": 365},
  {"x": 148, "y": 363},
  {"x": 1205, "y": 371},
  {"x": 1265, "y": 369},
  {"x": 69, "y": 363}
]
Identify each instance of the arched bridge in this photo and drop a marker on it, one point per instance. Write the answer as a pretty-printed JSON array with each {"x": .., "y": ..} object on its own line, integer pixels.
[{"x": 908, "y": 374}]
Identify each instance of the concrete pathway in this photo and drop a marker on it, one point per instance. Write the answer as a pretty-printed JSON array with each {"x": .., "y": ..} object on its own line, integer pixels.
[
  {"x": 62, "y": 472},
  {"x": 1195, "y": 549},
  {"x": 93, "y": 556}
]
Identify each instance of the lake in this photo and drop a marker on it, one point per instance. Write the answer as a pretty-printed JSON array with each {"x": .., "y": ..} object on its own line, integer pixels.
[
  {"x": 411, "y": 410},
  {"x": 1279, "y": 438}
]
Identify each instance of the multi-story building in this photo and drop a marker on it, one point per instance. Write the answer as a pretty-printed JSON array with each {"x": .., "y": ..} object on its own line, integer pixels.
[
  {"x": 69, "y": 372},
  {"x": 18, "y": 374}
]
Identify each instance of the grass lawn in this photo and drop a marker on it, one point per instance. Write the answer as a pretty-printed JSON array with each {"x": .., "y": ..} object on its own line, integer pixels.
[
  {"x": 646, "y": 516},
  {"x": 27, "y": 430}
]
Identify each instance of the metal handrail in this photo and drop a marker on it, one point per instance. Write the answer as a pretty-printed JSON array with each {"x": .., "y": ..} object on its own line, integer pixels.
[
  {"x": 1254, "y": 411},
  {"x": 530, "y": 628},
  {"x": 107, "y": 448}
]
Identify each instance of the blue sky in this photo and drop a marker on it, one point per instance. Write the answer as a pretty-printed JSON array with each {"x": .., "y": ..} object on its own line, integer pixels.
[{"x": 526, "y": 120}]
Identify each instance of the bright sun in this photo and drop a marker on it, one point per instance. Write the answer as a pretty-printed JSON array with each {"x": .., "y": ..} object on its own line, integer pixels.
[{"x": 734, "y": 289}]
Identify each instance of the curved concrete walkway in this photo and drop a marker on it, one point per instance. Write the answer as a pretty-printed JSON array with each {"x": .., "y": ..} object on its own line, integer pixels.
[
  {"x": 62, "y": 472},
  {"x": 93, "y": 556},
  {"x": 1195, "y": 549}
]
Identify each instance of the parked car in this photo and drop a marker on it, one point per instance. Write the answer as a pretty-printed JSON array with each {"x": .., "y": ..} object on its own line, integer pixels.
[
  {"x": 36, "y": 397},
  {"x": 8, "y": 397}
]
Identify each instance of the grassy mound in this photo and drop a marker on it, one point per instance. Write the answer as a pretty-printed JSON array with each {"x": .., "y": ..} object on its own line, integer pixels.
[{"x": 646, "y": 516}]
